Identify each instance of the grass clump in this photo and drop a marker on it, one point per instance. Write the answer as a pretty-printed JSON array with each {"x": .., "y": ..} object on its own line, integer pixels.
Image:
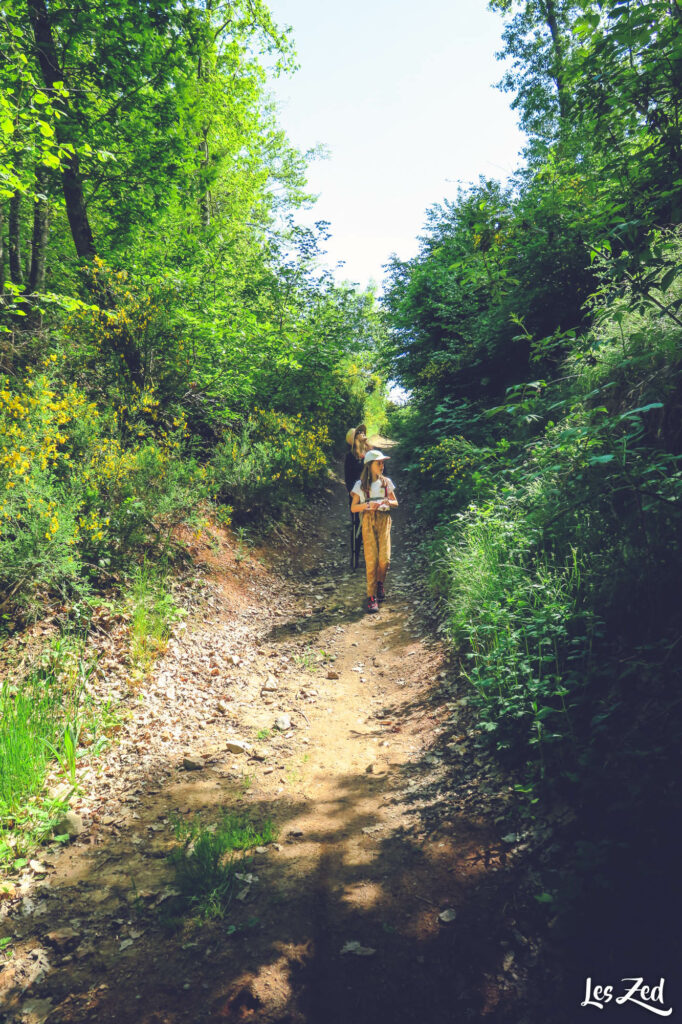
[
  {"x": 47, "y": 716},
  {"x": 210, "y": 860},
  {"x": 153, "y": 613},
  {"x": 40, "y": 719}
]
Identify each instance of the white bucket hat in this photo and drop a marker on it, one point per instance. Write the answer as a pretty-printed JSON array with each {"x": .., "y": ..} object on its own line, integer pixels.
[{"x": 373, "y": 454}]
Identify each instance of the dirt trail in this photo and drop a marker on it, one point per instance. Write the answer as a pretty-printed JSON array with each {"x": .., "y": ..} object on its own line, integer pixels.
[{"x": 376, "y": 790}]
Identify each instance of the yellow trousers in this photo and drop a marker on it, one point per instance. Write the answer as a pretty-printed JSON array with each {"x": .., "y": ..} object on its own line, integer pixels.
[{"x": 376, "y": 539}]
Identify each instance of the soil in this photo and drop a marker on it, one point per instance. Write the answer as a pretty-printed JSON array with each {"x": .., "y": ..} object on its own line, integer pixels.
[{"x": 390, "y": 893}]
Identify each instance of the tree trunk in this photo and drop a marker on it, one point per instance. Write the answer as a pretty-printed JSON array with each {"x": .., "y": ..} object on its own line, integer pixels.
[
  {"x": 72, "y": 184},
  {"x": 36, "y": 279},
  {"x": 15, "y": 271},
  {"x": 205, "y": 202},
  {"x": 76, "y": 209},
  {"x": 557, "y": 71},
  {"x": 2, "y": 248}
]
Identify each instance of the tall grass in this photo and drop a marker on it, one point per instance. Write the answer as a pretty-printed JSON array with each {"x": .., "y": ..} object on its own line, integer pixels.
[
  {"x": 39, "y": 720},
  {"x": 153, "y": 611}
]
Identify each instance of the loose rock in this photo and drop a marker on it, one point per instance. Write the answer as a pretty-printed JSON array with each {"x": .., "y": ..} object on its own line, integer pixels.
[
  {"x": 237, "y": 747},
  {"x": 63, "y": 938},
  {"x": 192, "y": 764},
  {"x": 71, "y": 824},
  {"x": 357, "y": 949}
]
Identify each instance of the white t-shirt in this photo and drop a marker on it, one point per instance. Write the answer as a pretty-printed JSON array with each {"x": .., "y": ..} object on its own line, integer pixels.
[{"x": 376, "y": 489}]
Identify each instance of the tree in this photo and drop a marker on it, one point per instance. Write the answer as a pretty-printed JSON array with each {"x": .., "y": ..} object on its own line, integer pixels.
[{"x": 538, "y": 40}]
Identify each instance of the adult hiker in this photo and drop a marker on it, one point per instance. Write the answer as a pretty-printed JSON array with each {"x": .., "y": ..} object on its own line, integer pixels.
[
  {"x": 358, "y": 445},
  {"x": 373, "y": 498},
  {"x": 352, "y": 468}
]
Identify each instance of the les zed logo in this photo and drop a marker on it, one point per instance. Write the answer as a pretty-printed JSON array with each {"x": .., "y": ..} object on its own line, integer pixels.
[{"x": 640, "y": 994}]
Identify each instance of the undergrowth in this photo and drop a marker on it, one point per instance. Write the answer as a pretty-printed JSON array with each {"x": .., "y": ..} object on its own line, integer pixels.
[
  {"x": 153, "y": 612},
  {"x": 555, "y": 553},
  {"x": 47, "y": 716},
  {"x": 210, "y": 860}
]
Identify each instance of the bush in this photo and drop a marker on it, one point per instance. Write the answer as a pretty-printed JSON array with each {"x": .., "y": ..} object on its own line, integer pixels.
[
  {"x": 568, "y": 555},
  {"x": 273, "y": 460},
  {"x": 82, "y": 486},
  {"x": 525, "y": 635}
]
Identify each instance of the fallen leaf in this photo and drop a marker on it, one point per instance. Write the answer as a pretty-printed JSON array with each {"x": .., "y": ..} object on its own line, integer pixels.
[{"x": 357, "y": 949}]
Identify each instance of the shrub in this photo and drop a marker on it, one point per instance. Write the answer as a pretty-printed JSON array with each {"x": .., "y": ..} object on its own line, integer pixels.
[
  {"x": 525, "y": 635},
  {"x": 81, "y": 486},
  {"x": 272, "y": 460}
]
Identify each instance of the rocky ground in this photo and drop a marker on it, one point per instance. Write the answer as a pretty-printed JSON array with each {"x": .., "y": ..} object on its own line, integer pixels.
[{"x": 394, "y": 890}]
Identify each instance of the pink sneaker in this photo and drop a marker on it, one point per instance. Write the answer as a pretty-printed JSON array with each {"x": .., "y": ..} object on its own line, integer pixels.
[{"x": 372, "y": 605}]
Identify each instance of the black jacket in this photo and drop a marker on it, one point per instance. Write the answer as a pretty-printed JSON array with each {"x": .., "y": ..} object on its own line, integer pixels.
[{"x": 352, "y": 469}]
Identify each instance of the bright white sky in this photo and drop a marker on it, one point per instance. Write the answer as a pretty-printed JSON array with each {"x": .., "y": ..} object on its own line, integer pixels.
[{"x": 402, "y": 95}]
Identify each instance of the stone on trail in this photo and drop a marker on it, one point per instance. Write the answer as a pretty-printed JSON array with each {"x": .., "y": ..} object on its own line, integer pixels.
[
  {"x": 192, "y": 764},
  {"x": 71, "y": 824},
  {"x": 283, "y": 723},
  {"x": 237, "y": 747},
  {"x": 63, "y": 792},
  {"x": 448, "y": 915},
  {"x": 332, "y": 675},
  {"x": 63, "y": 938}
]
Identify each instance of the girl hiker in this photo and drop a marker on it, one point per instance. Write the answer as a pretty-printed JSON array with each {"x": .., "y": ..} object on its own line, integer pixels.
[
  {"x": 374, "y": 497},
  {"x": 352, "y": 468}
]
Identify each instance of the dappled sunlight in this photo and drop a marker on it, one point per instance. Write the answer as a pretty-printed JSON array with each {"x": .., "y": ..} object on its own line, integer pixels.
[{"x": 363, "y": 894}]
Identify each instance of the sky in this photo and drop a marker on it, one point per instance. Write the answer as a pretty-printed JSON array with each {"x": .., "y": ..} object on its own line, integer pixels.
[{"x": 401, "y": 94}]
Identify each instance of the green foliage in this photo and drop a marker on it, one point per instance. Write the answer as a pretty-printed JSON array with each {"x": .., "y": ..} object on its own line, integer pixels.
[
  {"x": 538, "y": 334},
  {"x": 273, "y": 459},
  {"x": 40, "y": 719},
  {"x": 527, "y": 636},
  {"x": 153, "y": 611},
  {"x": 560, "y": 549},
  {"x": 82, "y": 486},
  {"x": 207, "y": 870},
  {"x": 172, "y": 294}
]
